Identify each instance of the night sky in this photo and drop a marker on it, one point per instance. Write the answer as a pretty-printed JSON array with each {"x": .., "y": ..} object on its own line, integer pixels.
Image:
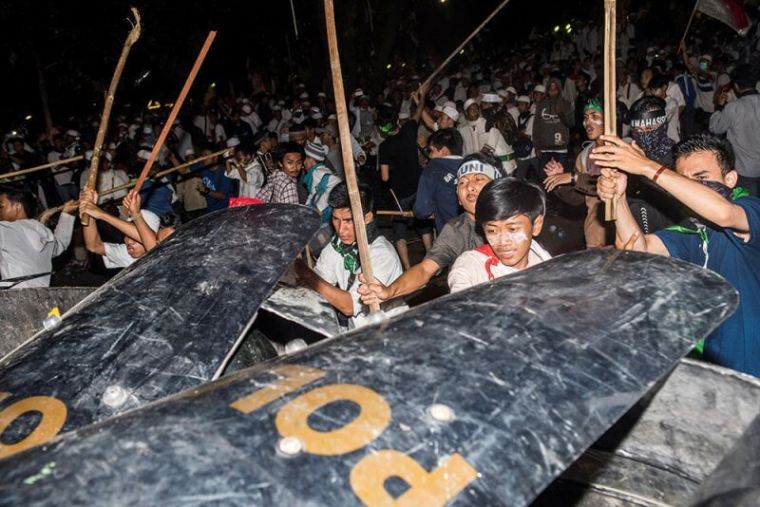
[{"x": 77, "y": 43}]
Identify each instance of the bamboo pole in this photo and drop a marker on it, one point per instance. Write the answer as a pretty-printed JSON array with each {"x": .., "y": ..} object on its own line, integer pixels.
[
  {"x": 688, "y": 26},
  {"x": 463, "y": 44},
  {"x": 132, "y": 37},
  {"x": 345, "y": 143},
  {"x": 175, "y": 110},
  {"x": 40, "y": 167},
  {"x": 394, "y": 213},
  {"x": 45, "y": 216},
  {"x": 610, "y": 88}
]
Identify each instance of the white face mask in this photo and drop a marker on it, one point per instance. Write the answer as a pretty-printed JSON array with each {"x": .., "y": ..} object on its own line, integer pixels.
[{"x": 507, "y": 238}]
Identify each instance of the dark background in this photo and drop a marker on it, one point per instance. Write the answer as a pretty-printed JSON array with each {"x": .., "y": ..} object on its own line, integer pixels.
[{"x": 76, "y": 44}]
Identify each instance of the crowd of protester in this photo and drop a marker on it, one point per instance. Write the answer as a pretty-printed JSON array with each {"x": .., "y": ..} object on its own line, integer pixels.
[{"x": 478, "y": 157}]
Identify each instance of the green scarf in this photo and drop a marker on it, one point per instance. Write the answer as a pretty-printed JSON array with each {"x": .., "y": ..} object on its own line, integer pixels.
[{"x": 350, "y": 253}]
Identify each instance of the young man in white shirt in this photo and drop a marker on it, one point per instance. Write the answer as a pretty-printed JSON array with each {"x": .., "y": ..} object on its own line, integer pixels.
[
  {"x": 335, "y": 275},
  {"x": 26, "y": 246},
  {"x": 115, "y": 255},
  {"x": 247, "y": 169},
  {"x": 511, "y": 214}
]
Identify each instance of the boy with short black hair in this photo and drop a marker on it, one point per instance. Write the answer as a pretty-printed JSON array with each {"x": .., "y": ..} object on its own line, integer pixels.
[
  {"x": 335, "y": 275},
  {"x": 282, "y": 184},
  {"x": 511, "y": 213},
  {"x": 723, "y": 235},
  {"x": 437, "y": 188}
]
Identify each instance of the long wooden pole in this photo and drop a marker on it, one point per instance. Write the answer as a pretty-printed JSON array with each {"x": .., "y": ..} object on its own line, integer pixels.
[
  {"x": 610, "y": 87},
  {"x": 175, "y": 109},
  {"x": 45, "y": 216},
  {"x": 132, "y": 37},
  {"x": 688, "y": 25},
  {"x": 463, "y": 44},
  {"x": 345, "y": 144},
  {"x": 34, "y": 169}
]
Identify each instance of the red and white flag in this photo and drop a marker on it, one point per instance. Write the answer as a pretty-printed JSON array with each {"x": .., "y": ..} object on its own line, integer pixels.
[{"x": 729, "y": 12}]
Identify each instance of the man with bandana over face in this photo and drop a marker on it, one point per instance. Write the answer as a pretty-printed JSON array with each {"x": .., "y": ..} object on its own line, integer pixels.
[
  {"x": 723, "y": 235},
  {"x": 653, "y": 208}
]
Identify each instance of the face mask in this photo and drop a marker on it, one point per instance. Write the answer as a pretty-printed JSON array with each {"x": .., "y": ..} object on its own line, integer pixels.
[
  {"x": 655, "y": 143},
  {"x": 703, "y": 66},
  {"x": 718, "y": 187}
]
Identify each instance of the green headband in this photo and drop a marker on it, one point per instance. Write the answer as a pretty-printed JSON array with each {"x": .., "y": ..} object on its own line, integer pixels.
[{"x": 595, "y": 105}]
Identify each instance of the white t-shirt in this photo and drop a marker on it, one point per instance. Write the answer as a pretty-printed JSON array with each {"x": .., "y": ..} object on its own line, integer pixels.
[
  {"x": 255, "y": 175},
  {"x": 116, "y": 256},
  {"x": 471, "y": 268},
  {"x": 27, "y": 248},
  {"x": 385, "y": 265},
  {"x": 61, "y": 173}
]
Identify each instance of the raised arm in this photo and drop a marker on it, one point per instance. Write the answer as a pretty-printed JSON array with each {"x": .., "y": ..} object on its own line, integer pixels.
[
  {"x": 132, "y": 204},
  {"x": 711, "y": 205}
]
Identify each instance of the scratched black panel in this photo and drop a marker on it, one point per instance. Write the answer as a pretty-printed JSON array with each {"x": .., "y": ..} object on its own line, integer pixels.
[
  {"x": 535, "y": 367},
  {"x": 164, "y": 324},
  {"x": 736, "y": 480}
]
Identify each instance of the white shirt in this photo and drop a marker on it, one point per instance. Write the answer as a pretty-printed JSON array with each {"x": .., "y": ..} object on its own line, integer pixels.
[
  {"x": 61, "y": 173},
  {"x": 475, "y": 138},
  {"x": 473, "y": 135},
  {"x": 628, "y": 93},
  {"x": 27, "y": 248},
  {"x": 116, "y": 256},
  {"x": 674, "y": 124},
  {"x": 386, "y": 268},
  {"x": 111, "y": 179},
  {"x": 470, "y": 268},
  {"x": 255, "y": 175}
]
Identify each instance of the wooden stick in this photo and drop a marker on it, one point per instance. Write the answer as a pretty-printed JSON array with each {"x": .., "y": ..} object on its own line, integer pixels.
[
  {"x": 394, "y": 213},
  {"x": 345, "y": 143},
  {"x": 463, "y": 44},
  {"x": 132, "y": 37},
  {"x": 688, "y": 25},
  {"x": 52, "y": 211},
  {"x": 610, "y": 88},
  {"x": 398, "y": 203},
  {"x": 175, "y": 109},
  {"x": 40, "y": 167},
  {"x": 165, "y": 172}
]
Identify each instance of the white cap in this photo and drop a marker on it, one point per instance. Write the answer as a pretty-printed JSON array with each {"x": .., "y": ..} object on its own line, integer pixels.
[
  {"x": 540, "y": 89},
  {"x": 304, "y": 95},
  {"x": 450, "y": 104},
  {"x": 321, "y": 94},
  {"x": 147, "y": 129},
  {"x": 403, "y": 115},
  {"x": 523, "y": 98},
  {"x": 232, "y": 142},
  {"x": 143, "y": 154},
  {"x": 189, "y": 151},
  {"x": 73, "y": 133},
  {"x": 359, "y": 92},
  {"x": 151, "y": 219},
  {"x": 490, "y": 98},
  {"x": 511, "y": 89},
  {"x": 451, "y": 112},
  {"x": 468, "y": 103},
  {"x": 502, "y": 93}
]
